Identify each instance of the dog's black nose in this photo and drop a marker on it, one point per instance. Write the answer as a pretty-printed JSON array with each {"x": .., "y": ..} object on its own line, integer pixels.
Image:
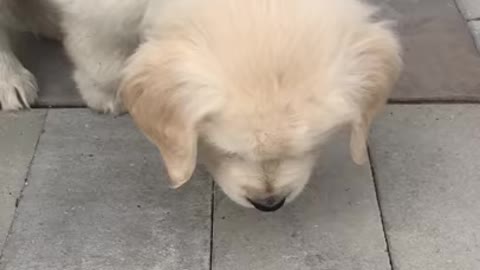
[{"x": 269, "y": 204}]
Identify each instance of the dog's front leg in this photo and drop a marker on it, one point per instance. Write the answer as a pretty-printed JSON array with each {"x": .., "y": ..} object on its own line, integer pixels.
[
  {"x": 98, "y": 61},
  {"x": 18, "y": 87}
]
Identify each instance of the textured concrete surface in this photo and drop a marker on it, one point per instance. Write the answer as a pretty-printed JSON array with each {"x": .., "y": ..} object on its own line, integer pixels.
[
  {"x": 426, "y": 160},
  {"x": 19, "y": 133},
  {"x": 475, "y": 28},
  {"x": 334, "y": 224},
  {"x": 98, "y": 199},
  {"x": 470, "y": 9},
  {"x": 48, "y": 62},
  {"x": 441, "y": 61}
]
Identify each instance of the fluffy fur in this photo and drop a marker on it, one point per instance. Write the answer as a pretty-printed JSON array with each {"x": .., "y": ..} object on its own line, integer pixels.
[
  {"x": 251, "y": 87},
  {"x": 98, "y": 37}
]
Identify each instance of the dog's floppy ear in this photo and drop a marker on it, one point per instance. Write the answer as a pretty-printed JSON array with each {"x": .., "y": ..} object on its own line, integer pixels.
[
  {"x": 379, "y": 64},
  {"x": 167, "y": 96}
]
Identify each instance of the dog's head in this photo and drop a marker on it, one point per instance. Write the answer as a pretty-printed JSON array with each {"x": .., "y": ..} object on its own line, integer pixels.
[{"x": 254, "y": 106}]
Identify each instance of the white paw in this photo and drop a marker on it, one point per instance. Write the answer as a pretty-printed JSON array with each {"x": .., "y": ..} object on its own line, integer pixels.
[
  {"x": 18, "y": 89},
  {"x": 109, "y": 106},
  {"x": 102, "y": 101},
  {"x": 99, "y": 94}
]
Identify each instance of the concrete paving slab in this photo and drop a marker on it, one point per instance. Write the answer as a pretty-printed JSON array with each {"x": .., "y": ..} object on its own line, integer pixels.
[
  {"x": 334, "y": 224},
  {"x": 469, "y": 8},
  {"x": 426, "y": 160},
  {"x": 48, "y": 62},
  {"x": 19, "y": 133},
  {"x": 441, "y": 61},
  {"x": 98, "y": 199},
  {"x": 475, "y": 28}
]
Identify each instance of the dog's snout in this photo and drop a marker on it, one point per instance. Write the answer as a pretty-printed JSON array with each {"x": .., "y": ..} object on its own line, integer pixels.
[{"x": 269, "y": 204}]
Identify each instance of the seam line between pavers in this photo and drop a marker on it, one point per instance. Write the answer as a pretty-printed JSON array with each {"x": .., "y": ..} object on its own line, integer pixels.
[
  {"x": 59, "y": 107},
  {"x": 433, "y": 101},
  {"x": 20, "y": 195},
  {"x": 212, "y": 220},
  {"x": 380, "y": 210},
  {"x": 390, "y": 101}
]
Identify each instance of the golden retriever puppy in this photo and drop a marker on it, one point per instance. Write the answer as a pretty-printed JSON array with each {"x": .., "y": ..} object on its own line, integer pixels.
[{"x": 256, "y": 86}]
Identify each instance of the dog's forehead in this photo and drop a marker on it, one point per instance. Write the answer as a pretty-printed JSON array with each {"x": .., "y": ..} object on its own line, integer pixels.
[
  {"x": 275, "y": 125},
  {"x": 258, "y": 137}
]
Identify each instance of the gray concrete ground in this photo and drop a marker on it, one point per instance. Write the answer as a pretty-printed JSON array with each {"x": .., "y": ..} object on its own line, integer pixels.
[
  {"x": 426, "y": 160},
  {"x": 441, "y": 61},
  {"x": 97, "y": 196},
  {"x": 19, "y": 134},
  {"x": 96, "y": 200}
]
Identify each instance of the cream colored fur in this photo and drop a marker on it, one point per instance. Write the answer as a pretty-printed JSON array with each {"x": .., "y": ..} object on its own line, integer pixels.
[
  {"x": 254, "y": 87},
  {"x": 98, "y": 37},
  {"x": 251, "y": 87}
]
